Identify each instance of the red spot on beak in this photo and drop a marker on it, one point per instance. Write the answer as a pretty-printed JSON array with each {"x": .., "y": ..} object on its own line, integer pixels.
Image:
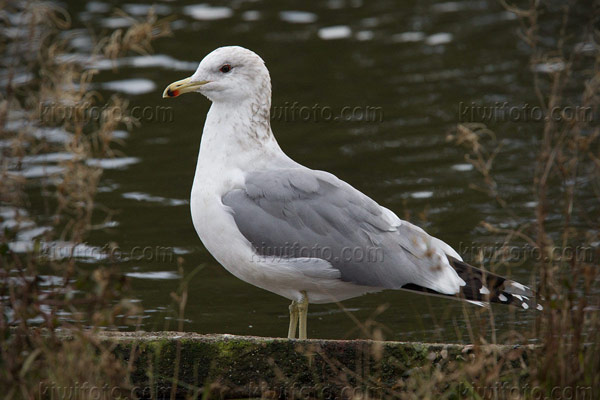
[{"x": 173, "y": 93}]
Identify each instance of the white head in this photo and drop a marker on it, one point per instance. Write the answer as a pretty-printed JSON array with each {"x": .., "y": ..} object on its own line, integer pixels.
[{"x": 229, "y": 74}]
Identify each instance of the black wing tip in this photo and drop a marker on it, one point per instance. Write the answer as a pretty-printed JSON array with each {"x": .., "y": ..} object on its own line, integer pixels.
[{"x": 485, "y": 286}]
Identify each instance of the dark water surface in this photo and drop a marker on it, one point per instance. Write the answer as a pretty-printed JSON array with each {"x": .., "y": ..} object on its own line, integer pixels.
[{"x": 414, "y": 63}]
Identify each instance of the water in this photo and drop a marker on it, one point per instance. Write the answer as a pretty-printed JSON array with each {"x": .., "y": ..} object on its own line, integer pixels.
[{"x": 414, "y": 63}]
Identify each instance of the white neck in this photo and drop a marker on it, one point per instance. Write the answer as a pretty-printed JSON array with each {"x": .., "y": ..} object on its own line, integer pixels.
[{"x": 237, "y": 138}]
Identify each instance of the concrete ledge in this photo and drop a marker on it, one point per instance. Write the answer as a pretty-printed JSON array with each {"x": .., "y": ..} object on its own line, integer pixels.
[{"x": 247, "y": 366}]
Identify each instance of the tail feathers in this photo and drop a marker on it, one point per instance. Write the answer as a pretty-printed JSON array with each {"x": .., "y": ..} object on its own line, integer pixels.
[{"x": 482, "y": 287}]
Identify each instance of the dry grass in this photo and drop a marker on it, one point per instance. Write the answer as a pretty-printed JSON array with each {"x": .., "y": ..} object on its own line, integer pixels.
[
  {"x": 565, "y": 178},
  {"x": 31, "y": 360}
]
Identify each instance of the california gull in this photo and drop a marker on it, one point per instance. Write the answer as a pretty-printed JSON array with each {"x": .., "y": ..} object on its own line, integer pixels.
[{"x": 301, "y": 233}]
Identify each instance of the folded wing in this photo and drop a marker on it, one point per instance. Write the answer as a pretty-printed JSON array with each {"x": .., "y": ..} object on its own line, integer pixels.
[{"x": 299, "y": 213}]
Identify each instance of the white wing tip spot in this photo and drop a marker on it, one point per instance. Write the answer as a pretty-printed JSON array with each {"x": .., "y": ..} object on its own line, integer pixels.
[
  {"x": 478, "y": 303},
  {"x": 519, "y": 286},
  {"x": 484, "y": 290},
  {"x": 502, "y": 297},
  {"x": 525, "y": 305}
]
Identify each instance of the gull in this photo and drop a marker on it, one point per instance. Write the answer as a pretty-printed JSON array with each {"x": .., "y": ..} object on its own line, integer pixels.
[{"x": 301, "y": 233}]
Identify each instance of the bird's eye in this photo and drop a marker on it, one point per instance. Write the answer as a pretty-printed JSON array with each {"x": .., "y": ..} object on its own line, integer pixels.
[{"x": 225, "y": 68}]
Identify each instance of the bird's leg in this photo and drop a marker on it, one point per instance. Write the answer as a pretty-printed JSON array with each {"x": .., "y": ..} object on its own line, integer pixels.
[
  {"x": 293, "y": 320},
  {"x": 303, "y": 310}
]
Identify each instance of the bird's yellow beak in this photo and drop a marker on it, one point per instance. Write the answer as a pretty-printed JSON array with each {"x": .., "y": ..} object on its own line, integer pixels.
[{"x": 182, "y": 86}]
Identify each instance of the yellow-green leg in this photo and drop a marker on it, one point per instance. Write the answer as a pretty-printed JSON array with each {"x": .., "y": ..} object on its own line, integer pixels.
[
  {"x": 303, "y": 311},
  {"x": 293, "y": 320}
]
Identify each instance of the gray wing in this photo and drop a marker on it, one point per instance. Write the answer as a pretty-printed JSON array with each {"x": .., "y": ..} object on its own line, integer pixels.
[{"x": 300, "y": 213}]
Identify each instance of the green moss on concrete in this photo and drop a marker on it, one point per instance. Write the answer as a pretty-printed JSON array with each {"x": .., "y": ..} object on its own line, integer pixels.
[{"x": 242, "y": 366}]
